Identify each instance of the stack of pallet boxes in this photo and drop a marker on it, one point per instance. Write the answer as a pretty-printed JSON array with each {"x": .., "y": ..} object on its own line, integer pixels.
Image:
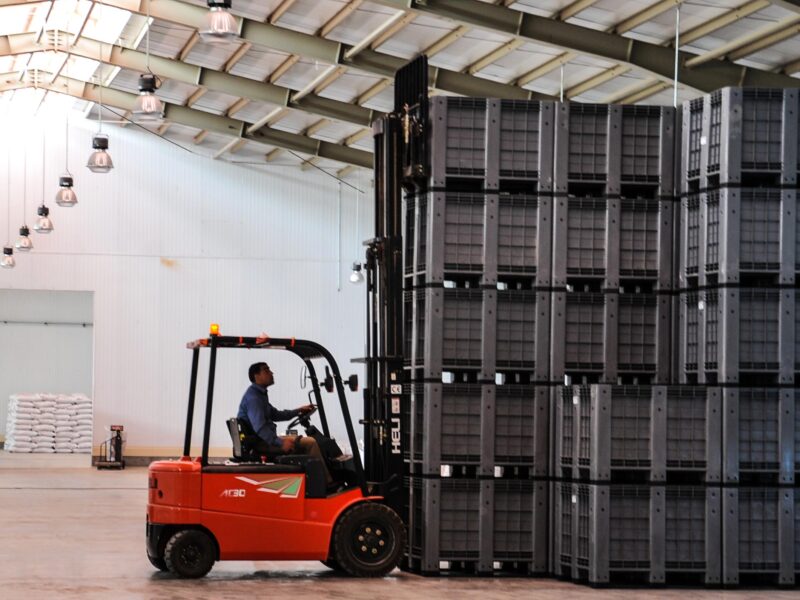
[
  {"x": 477, "y": 307},
  {"x": 600, "y": 340},
  {"x": 738, "y": 327}
]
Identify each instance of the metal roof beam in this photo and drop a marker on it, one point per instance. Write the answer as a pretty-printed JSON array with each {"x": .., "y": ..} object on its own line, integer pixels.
[
  {"x": 208, "y": 79},
  {"x": 209, "y": 122},
  {"x": 329, "y": 51},
  {"x": 658, "y": 60}
]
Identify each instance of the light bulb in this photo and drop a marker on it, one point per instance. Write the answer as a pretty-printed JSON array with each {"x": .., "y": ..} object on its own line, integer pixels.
[
  {"x": 8, "y": 262},
  {"x": 220, "y": 25},
  {"x": 24, "y": 243},
  {"x": 356, "y": 276},
  {"x": 148, "y": 107},
  {"x": 100, "y": 161},
  {"x": 43, "y": 224},
  {"x": 66, "y": 196}
]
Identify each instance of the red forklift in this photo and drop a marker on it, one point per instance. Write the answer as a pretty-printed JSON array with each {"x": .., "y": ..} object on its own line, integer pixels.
[{"x": 200, "y": 511}]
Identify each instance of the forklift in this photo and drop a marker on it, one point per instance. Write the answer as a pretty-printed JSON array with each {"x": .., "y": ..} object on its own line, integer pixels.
[
  {"x": 246, "y": 508},
  {"x": 249, "y": 509}
]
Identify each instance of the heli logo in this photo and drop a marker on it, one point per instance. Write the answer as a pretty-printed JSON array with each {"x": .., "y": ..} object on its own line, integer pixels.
[
  {"x": 233, "y": 493},
  {"x": 395, "y": 435},
  {"x": 285, "y": 487}
]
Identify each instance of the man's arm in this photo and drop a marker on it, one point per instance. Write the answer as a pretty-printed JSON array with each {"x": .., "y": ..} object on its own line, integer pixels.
[
  {"x": 284, "y": 415},
  {"x": 258, "y": 420}
]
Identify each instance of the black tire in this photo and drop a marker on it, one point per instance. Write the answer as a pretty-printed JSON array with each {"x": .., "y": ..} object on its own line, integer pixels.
[
  {"x": 368, "y": 540},
  {"x": 190, "y": 553},
  {"x": 332, "y": 564},
  {"x": 158, "y": 563}
]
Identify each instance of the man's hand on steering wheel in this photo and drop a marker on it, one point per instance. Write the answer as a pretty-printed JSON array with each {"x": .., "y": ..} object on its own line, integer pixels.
[{"x": 307, "y": 409}]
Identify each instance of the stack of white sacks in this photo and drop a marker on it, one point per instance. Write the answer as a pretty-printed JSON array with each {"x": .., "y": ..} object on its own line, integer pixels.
[{"x": 49, "y": 423}]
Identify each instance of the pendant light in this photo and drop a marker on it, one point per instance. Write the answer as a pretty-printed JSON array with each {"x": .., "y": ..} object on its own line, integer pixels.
[
  {"x": 220, "y": 25},
  {"x": 66, "y": 196},
  {"x": 24, "y": 242},
  {"x": 148, "y": 107},
  {"x": 100, "y": 160},
  {"x": 43, "y": 224},
  {"x": 7, "y": 261}
]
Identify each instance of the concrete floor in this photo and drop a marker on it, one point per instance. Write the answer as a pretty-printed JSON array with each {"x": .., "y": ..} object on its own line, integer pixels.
[{"x": 69, "y": 531}]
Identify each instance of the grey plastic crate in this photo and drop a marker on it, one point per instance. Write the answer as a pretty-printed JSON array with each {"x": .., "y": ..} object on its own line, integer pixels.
[
  {"x": 449, "y": 524},
  {"x": 730, "y": 232},
  {"x": 758, "y": 533},
  {"x": 615, "y": 145},
  {"x": 725, "y": 333},
  {"x": 610, "y": 335},
  {"x": 613, "y": 239},
  {"x": 605, "y": 432},
  {"x": 480, "y": 329},
  {"x": 490, "y": 140},
  {"x": 479, "y": 424},
  {"x": 760, "y": 434},
  {"x": 604, "y": 531},
  {"x": 735, "y": 132},
  {"x": 482, "y": 234}
]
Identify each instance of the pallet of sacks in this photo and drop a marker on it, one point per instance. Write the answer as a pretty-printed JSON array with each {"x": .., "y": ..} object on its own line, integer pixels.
[{"x": 49, "y": 423}]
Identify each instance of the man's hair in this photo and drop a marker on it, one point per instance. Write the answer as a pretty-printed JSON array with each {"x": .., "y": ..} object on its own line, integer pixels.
[{"x": 255, "y": 368}]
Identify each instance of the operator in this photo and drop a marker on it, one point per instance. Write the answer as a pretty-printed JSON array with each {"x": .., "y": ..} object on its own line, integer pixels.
[{"x": 256, "y": 410}]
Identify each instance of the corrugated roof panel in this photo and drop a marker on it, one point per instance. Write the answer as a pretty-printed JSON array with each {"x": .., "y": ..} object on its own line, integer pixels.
[
  {"x": 361, "y": 23},
  {"x": 166, "y": 39},
  {"x": 418, "y": 35},
  {"x": 350, "y": 86},
  {"x": 253, "y": 111},
  {"x": 309, "y": 15},
  {"x": 469, "y": 49},
  {"x": 214, "y": 102},
  {"x": 213, "y": 56},
  {"x": 258, "y": 63}
]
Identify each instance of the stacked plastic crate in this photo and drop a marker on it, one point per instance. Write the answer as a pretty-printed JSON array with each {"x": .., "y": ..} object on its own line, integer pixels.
[
  {"x": 613, "y": 230},
  {"x": 477, "y": 307},
  {"x": 739, "y": 326},
  {"x": 638, "y": 494}
]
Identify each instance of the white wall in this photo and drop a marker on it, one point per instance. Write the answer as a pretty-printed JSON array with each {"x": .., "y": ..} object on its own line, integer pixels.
[
  {"x": 170, "y": 242},
  {"x": 45, "y": 344}
]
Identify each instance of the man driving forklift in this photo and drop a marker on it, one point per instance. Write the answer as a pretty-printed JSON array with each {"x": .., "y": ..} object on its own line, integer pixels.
[{"x": 257, "y": 414}]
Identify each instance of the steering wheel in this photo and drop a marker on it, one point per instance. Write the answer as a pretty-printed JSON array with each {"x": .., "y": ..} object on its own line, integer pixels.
[{"x": 302, "y": 419}]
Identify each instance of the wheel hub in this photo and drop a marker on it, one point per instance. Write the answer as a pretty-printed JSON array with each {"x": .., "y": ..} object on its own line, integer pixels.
[{"x": 371, "y": 542}]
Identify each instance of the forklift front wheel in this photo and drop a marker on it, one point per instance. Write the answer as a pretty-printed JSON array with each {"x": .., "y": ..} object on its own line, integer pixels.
[
  {"x": 368, "y": 540},
  {"x": 158, "y": 563},
  {"x": 190, "y": 553}
]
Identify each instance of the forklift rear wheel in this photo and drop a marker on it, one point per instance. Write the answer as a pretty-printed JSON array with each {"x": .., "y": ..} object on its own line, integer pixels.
[
  {"x": 158, "y": 563},
  {"x": 368, "y": 540},
  {"x": 190, "y": 553}
]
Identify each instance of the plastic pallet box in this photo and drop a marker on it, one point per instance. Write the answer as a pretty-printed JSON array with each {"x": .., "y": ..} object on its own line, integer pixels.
[
  {"x": 483, "y": 234},
  {"x": 736, "y": 133},
  {"x": 759, "y": 534},
  {"x": 483, "y": 425},
  {"x": 615, "y": 146},
  {"x": 449, "y": 524},
  {"x": 729, "y": 333},
  {"x": 490, "y": 140},
  {"x": 730, "y": 232},
  {"x": 608, "y": 335},
  {"x": 484, "y": 330},
  {"x": 613, "y": 239},
  {"x": 760, "y": 434},
  {"x": 654, "y": 433},
  {"x": 604, "y": 532}
]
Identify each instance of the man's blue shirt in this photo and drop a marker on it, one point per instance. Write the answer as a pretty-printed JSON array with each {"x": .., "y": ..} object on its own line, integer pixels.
[{"x": 256, "y": 410}]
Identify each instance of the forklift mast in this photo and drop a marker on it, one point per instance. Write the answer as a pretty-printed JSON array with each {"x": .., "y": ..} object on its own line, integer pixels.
[{"x": 401, "y": 162}]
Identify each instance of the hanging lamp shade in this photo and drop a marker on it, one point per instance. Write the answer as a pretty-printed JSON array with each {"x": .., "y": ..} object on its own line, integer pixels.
[
  {"x": 220, "y": 25},
  {"x": 357, "y": 276},
  {"x": 148, "y": 106},
  {"x": 24, "y": 242},
  {"x": 43, "y": 224},
  {"x": 100, "y": 160},
  {"x": 66, "y": 196},
  {"x": 8, "y": 262}
]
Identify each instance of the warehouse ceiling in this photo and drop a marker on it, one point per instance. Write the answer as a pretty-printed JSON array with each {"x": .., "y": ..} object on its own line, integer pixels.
[{"x": 305, "y": 79}]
